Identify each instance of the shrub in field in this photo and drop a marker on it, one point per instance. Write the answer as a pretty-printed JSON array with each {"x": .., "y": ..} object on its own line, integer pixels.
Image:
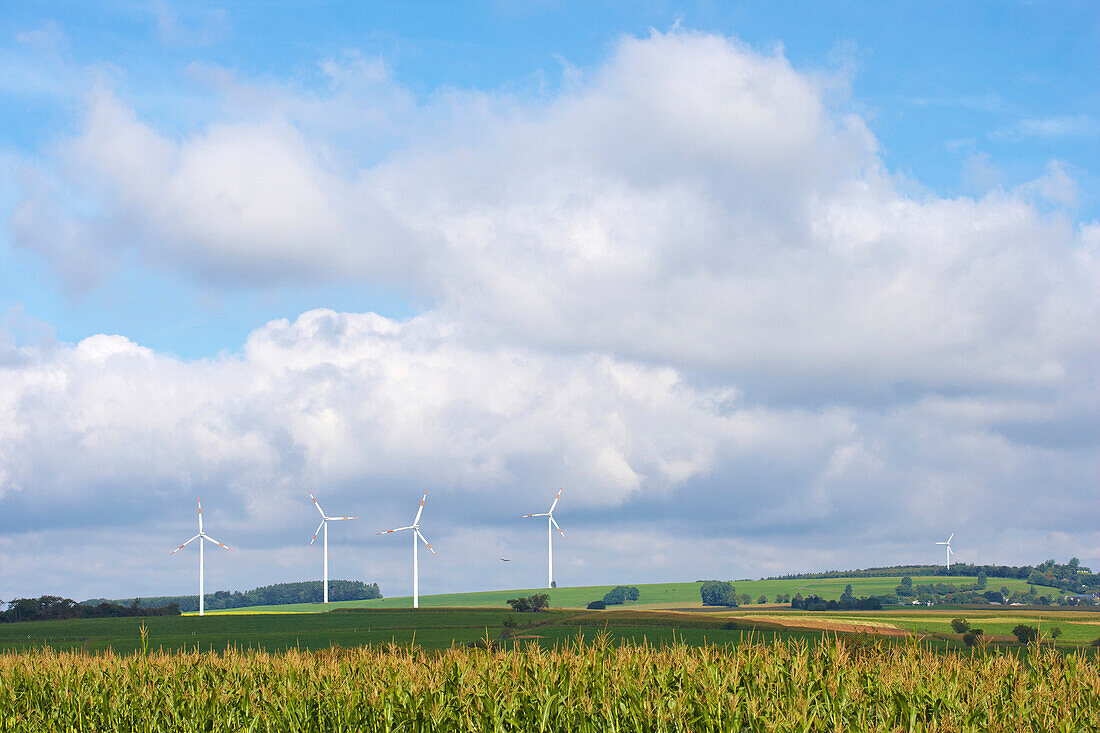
[
  {"x": 718, "y": 593},
  {"x": 1025, "y": 634},
  {"x": 621, "y": 594},
  {"x": 597, "y": 605},
  {"x": 1055, "y": 632},
  {"x": 530, "y": 604},
  {"x": 960, "y": 625},
  {"x": 762, "y": 599},
  {"x": 972, "y": 637}
]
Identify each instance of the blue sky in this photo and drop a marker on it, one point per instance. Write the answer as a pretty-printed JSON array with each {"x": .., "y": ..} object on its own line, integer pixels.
[{"x": 678, "y": 255}]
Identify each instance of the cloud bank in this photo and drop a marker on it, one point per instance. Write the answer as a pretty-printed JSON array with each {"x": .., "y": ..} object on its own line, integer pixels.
[{"x": 682, "y": 283}]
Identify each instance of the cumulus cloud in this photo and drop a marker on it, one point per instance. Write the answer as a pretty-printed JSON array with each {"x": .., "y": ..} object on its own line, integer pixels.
[
  {"x": 683, "y": 285},
  {"x": 367, "y": 411},
  {"x": 691, "y": 202}
]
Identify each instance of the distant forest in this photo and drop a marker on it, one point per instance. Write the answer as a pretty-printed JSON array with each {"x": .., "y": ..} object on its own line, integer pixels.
[
  {"x": 1071, "y": 577},
  {"x": 309, "y": 591},
  {"x": 53, "y": 608}
]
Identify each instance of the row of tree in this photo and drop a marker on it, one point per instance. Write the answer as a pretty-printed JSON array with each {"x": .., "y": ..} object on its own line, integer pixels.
[
  {"x": 847, "y": 602},
  {"x": 1071, "y": 576},
  {"x": 309, "y": 591},
  {"x": 969, "y": 593},
  {"x": 52, "y": 608}
]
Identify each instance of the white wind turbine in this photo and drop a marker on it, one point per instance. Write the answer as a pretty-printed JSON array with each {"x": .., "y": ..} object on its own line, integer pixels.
[
  {"x": 949, "y": 551},
  {"x": 200, "y": 537},
  {"x": 415, "y": 527},
  {"x": 550, "y": 525},
  {"x": 324, "y": 525}
]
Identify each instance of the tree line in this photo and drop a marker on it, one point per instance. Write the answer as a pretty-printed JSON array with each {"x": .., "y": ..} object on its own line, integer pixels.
[
  {"x": 1071, "y": 576},
  {"x": 309, "y": 591},
  {"x": 53, "y": 608}
]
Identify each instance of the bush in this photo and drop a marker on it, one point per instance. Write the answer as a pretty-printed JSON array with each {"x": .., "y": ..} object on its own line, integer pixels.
[
  {"x": 762, "y": 599},
  {"x": 972, "y": 637},
  {"x": 1055, "y": 632},
  {"x": 718, "y": 593},
  {"x": 1025, "y": 634},
  {"x": 960, "y": 625},
  {"x": 616, "y": 596},
  {"x": 530, "y": 604},
  {"x": 597, "y": 605},
  {"x": 632, "y": 593}
]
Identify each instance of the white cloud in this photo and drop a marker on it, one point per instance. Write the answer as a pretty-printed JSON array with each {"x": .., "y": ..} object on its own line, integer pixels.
[
  {"x": 683, "y": 285},
  {"x": 1051, "y": 127},
  {"x": 115, "y": 437},
  {"x": 691, "y": 202}
]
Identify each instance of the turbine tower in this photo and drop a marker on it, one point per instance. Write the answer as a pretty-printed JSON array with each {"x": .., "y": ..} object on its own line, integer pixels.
[
  {"x": 415, "y": 527},
  {"x": 201, "y": 536},
  {"x": 550, "y": 525},
  {"x": 324, "y": 525},
  {"x": 948, "y": 543}
]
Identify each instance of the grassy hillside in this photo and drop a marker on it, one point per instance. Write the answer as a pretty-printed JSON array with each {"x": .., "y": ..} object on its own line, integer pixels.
[{"x": 653, "y": 595}]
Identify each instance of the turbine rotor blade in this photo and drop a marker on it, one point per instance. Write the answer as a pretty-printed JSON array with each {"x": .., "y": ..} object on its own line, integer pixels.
[
  {"x": 425, "y": 542},
  {"x": 420, "y": 510},
  {"x": 391, "y": 531},
  {"x": 185, "y": 544},
  {"x": 544, "y": 514},
  {"x": 338, "y": 519},
  {"x": 200, "y": 516},
  {"x": 311, "y": 496},
  {"x": 219, "y": 544},
  {"x": 556, "y": 500},
  {"x": 950, "y": 538},
  {"x": 322, "y": 524},
  {"x": 556, "y": 526}
]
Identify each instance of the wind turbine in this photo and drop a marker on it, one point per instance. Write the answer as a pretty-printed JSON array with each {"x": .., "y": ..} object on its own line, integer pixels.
[
  {"x": 200, "y": 537},
  {"x": 415, "y": 527},
  {"x": 948, "y": 543},
  {"x": 550, "y": 525},
  {"x": 324, "y": 525}
]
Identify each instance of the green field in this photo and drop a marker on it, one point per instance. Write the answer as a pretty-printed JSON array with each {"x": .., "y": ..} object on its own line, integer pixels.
[
  {"x": 653, "y": 595},
  {"x": 841, "y": 684},
  {"x": 665, "y": 612},
  {"x": 437, "y": 628},
  {"x": 426, "y": 628}
]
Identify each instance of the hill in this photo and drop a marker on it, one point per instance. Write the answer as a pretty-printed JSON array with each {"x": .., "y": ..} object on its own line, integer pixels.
[
  {"x": 653, "y": 595},
  {"x": 309, "y": 591}
]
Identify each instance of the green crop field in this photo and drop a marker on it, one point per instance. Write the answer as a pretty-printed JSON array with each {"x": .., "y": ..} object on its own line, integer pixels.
[
  {"x": 653, "y": 595},
  {"x": 592, "y": 686},
  {"x": 437, "y": 628},
  {"x": 427, "y": 628}
]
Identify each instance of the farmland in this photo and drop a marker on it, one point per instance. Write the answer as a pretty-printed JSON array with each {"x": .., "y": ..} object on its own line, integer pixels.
[
  {"x": 427, "y": 628},
  {"x": 653, "y": 595},
  {"x": 755, "y": 667},
  {"x": 594, "y": 686}
]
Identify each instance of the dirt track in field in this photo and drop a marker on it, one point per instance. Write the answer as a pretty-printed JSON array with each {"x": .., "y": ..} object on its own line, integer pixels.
[{"x": 824, "y": 625}]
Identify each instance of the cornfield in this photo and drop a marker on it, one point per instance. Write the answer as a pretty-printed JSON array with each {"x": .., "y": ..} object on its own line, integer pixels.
[{"x": 835, "y": 686}]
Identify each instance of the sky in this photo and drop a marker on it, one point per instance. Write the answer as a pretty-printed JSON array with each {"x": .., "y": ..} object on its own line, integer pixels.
[{"x": 765, "y": 287}]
